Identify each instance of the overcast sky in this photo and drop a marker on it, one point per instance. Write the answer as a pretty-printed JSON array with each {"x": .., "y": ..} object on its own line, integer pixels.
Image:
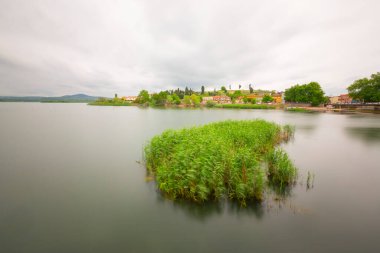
[{"x": 102, "y": 47}]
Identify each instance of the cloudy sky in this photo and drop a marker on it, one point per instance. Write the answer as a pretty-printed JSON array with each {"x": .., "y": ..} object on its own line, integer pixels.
[{"x": 104, "y": 47}]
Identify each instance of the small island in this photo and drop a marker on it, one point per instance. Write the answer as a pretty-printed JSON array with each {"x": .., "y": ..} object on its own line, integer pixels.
[{"x": 237, "y": 160}]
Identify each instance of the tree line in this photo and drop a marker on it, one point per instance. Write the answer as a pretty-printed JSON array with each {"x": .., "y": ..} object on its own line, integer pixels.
[
  {"x": 364, "y": 90},
  {"x": 310, "y": 93},
  {"x": 192, "y": 98}
]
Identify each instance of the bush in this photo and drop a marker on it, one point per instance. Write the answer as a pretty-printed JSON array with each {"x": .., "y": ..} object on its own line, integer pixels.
[{"x": 210, "y": 103}]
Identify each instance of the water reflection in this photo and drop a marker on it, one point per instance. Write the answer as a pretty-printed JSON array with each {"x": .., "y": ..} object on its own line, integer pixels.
[
  {"x": 366, "y": 134},
  {"x": 276, "y": 198},
  {"x": 306, "y": 128},
  {"x": 281, "y": 191},
  {"x": 16, "y": 225},
  {"x": 197, "y": 211},
  {"x": 203, "y": 211}
]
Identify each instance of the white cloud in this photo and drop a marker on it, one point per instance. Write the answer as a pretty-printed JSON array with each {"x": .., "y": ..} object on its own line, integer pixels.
[{"x": 103, "y": 47}]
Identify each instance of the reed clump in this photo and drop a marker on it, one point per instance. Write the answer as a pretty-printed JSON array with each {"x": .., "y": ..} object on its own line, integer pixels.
[
  {"x": 281, "y": 170},
  {"x": 223, "y": 159}
]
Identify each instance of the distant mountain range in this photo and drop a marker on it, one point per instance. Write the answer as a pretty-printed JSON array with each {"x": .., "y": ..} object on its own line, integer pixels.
[{"x": 77, "y": 98}]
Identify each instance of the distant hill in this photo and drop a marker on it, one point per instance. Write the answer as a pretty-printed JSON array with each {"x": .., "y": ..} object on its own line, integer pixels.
[{"x": 76, "y": 98}]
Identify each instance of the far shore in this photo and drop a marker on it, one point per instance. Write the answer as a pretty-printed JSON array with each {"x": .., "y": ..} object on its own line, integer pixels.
[{"x": 285, "y": 107}]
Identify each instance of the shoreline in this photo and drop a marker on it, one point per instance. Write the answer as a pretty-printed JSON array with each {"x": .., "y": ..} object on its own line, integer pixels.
[
  {"x": 295, "y": 109},
  {"x": 365, "y": 109}
]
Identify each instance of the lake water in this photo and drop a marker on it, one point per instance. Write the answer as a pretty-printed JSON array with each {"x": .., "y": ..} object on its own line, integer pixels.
[{"x": 70, "y": 181}]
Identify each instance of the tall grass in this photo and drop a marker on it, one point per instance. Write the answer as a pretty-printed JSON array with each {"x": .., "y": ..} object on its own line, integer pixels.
[
  {"x": 281, "y": 170},
  {"x": 216, "y": 160}
]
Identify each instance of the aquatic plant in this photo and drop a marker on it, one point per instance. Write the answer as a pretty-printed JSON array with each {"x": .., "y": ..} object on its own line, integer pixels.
[
  {"x": 287, "y": 133},
  {"x": 281, "y": 170},
  {"x": 217, "y": 160},
  {"x": 310, "y": 180}
]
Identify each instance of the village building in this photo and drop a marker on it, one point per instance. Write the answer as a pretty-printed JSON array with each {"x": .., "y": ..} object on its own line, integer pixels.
[
  {"x": 129, "y": 98},
  {"x": 334, "y": 100},
  {"x": 242, "y": 91},
  {"x": 205, "y": 99},
  {"x": 257, "y": 96},
  {"x": 222, "y": 99},
  {"x": 277, "y": 97},
  {"x": 239, "y": 100},
  {"x": 345, "y": 99}
]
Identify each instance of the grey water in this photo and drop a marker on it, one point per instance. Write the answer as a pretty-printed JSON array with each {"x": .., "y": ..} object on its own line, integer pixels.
[{"x": 71, "y": 180}]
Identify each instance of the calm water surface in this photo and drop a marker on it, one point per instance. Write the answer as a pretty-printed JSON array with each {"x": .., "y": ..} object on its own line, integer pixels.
[{"x": 70, "y": 181}]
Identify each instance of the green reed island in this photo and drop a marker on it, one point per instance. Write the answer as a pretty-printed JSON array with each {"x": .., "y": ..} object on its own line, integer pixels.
[{"x": 233, "y": 159}]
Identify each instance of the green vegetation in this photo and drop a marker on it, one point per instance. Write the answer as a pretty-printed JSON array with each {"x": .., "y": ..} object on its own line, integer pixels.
[
  {"x": 250, "y": 89},
  {"x": 297, "y": 109},
  {"x": 176, "y": 99},
  {"x": 366, "y": 90},
  {"x": 110, "y": 102},
  {"x": 143, "y": 97},
  {"x": 281, "y": 170},
  {"x": 169, "y": 98},
  {"x": 190, "y": 98},
  {"x": 267, "y": 99},
  {"x": 187, "y": 100},
  {"x": 196, "y": 100},
  {"x": 159, "y": 99},
  {"x": 244, "y": 106},
  {"x": 251, "y": 100},
  {"x": 235, "y": 95},
  {"x": 224, "y": 159},
  {"x": 307, "y": 93},
  {"x": 210, "y": 104}
]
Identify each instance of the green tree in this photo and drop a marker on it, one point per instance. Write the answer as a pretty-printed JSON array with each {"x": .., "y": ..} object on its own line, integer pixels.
[
  {"x": 307, "y": 93},
  {"x": 202, "y": 90},
  {"x": 159, "y": 99},
  {"x": 143, "y": 97},
  {"x": 250, "y": 89},
  {"x": 235, "y": 95},
  {"x": 267, "y": 98},
  {"x": 223, "y": 89},
  {"x": 169, "y": 99},
  {"x": 187, "y": 100},
  {"x": 196, "y": 100},
  {"x": 210, "y": 103},
  {"x": 176, "y": 99},
  {"x": 366, "y": 90}
]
